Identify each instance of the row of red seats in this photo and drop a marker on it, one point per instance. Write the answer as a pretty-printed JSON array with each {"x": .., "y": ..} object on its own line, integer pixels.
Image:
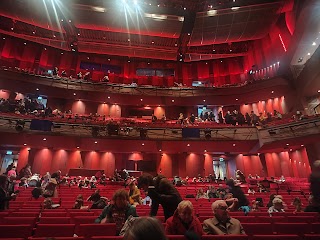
[{"x": 89, "y": 230}]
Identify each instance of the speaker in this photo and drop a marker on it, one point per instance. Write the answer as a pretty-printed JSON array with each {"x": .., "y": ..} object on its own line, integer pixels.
[{"x": 143, "y": 133}]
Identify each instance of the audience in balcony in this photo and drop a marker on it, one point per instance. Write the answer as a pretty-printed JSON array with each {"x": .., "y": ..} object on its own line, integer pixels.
[
  {"x": 184, "y": 221},
  {"x": 277, "y": 114},
  {"x": 118, "y": 211},
  {"x": 222, "y": 223}
]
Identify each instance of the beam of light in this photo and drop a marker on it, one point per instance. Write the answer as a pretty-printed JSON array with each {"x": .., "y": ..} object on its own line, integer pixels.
[
  {"x": 57, "y": 19},
  {"x": 47, "y": 12},
  {"x": 283, "y": 45}
]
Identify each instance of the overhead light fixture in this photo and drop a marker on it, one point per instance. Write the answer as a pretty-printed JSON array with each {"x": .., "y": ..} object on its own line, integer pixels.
[
  {"x": 156, "y": 17},
  {"x": 212, "y": 12},
  {"x": 314, "y": 43},
  {"x": 235, "y": 8},
  {"x": 309, "y": 54}
]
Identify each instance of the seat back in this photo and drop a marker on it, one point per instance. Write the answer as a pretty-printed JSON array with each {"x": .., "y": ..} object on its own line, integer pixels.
[
  {"x": 15, "y": 231},
  {"x": 89, "y": 230},
  {"x": 55, "y": 220},
  {"x": 20, "y": 221},
  {"x": 275, "y": 237},
  {"x": 257, "y": 228},
  {"x": 54, "y": 230},
  {"x": 225, "y": 237},
  {"x": 292, "y": 228}
]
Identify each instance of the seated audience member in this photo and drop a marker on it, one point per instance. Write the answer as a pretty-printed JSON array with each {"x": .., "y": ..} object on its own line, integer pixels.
[
  {"x": 297, "y": 204},
  {"x": 5, "y": 196},
  {"x": 145, "y": 228},
  {"x": 192, "y": 119},
  {"x": 163, "y": 118},
  {"x": 25, "y": 172},
  {"x": 134, "y": 194},
  {"x": 240, "y": 176},
  {"x": 251, "y": 191},
  {"x": 222, "y": 223},
  {"x": 79, "y": 202},
  {"x": 98, "y": 202},
  {"x": 277, "y": 114},
  {"x": 119, "y": 211},
  {"x": 153, "y": 118},
  {"x": 161, "y": 191},
  {"x": 79, "y": 75},
  {"x": 277, "y": 206},
  {"x": 181, "y": 118},
  {"x": 47, "y": 203},
  {"x": 183, "y": 220},
  {"x": 212, "y": 192},
  {"x": 271, "y": 197},
  {"x": 201, "y": 194},
  {"x": 51, "y": 189},
  {"x": 105, "y": 78},
  {"x": 231, "y": 202}
]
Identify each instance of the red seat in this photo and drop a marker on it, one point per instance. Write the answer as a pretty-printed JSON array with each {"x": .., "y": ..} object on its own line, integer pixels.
[
  {"x": 275, "y": 237},
  {"x": 176, "y": 237},
  {"x": 55, "y": 220},
  {"x": 301, "y": 219},
  {"x": 56, "y": 238},
  {"x": 292, "y": 228},
  {"x": 225, "y": 237},
  {"x": 89, "y": 230},
  {"x": 257, "y": 228},
  {"x": 311, "y": 237},
  {"x": 315, "y": 228},
  {"x": 15, "y": 231},
  {"x": 19, "y": 221},
  {"x": 53, "y": 214},
  {"x": 81, "y": 214},
  {"x": 82, "y": 220},
  {"x": 24, "y": 214},
  {"x": 54, "y": 230},
  {"x": 106, "y": 237}
]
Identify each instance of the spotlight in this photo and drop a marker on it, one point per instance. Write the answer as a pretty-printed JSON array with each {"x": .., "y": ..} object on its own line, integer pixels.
[{"x": 20, "y": 125}]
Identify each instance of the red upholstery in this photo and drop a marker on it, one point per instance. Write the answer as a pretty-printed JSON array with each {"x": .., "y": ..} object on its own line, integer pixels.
[
  {"x": 311, "y": 237},
  {"x": 225, "y": 237},
  {"x": 300, "y": 219},
  {"x": 54, "y": 230},
  {"x": 56, "y": 238},
  {"x": 89, "y": 230},
  {"x": 82, "y": 220},
  {"x": 292, "y": 228},
  {"x": 24, "y": 214},
  {"x": 53, "y": 214},
  {"x": 19, "y": 221},
  {"x": 106, "y": 237},
  {"x": 176, "y": 237},
  {"x": 55, "y": 220},
  {"x": 315, "y": 228},
  {"x": 15, "y": 231},
  {"x": 257, "y": 228},
  {"x": 81, "y": 214},
  {"x": 275, "y": 237}
]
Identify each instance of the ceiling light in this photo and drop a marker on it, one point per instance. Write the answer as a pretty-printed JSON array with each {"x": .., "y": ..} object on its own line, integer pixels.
[
  {"x": 184, "y": 8},
  {"x": 188, "y": 145},
  {"x": 129, "y": 40},
  {"x": 95, "y": 142},
  {"x": 108, "y": 97},
  {"x": 189, "y": 34},
  {"x": 318, "y": 91},
  {"x": 160, "y": 150},
  {"x": 221, "y": 61},
  {"x": 62, "y": 53},
  {"x": 4, "y": 38},
  {"x": 33, "y": 32},
  {"x": 309, "y": 54},
  {"x": 25, "y": 144},
  {"x": 78, "y": 147},
  {"x": 172, "y": 100},
  {"x": 142, "y": 144},
  {"x": 12, "y": 29},
  {"x": 302, "y": 145},
  {"x": 129, "y": 61},
  {"x": 235, "y": 8},
  {"x": 237, "y": 99},
  {"x": 234, "y": 144},
  {"x": 204, "y": 100},
  {"x": 78, "y": 34},
  {"x": 314, "y": 43},
  {"x": 141, "y": 99},
  {"x": 272, "y": 92},
  {"x": 37, "y": 89},
  {"x": 44, "y": 139},
  {"x": 25, "y": 43},
  {"x": 152, "y": 42},
  {"x": 74, "y": 94}
]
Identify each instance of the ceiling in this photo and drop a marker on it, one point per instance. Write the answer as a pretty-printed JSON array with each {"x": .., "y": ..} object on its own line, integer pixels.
[{"x": 153, "y": 29}]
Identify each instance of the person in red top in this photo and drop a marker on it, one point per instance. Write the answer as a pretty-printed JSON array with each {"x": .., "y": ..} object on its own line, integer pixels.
[{"x": 183, "y": 221}]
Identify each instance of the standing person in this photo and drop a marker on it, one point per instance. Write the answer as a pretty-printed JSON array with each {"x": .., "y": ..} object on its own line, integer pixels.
[
  {"x": 237, "y": 192},
  {"x": 161, "y": 191},
  {"x": 134, "y": 194},
  {"x": 222, "y": 223},
  {"x": 4, "y": 194},
  {"x": 119, "y": 211}
]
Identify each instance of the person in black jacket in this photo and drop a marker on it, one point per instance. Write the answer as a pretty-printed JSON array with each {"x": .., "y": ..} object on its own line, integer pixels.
[
  {"x": 161, "y": 191},
  {"x": 4, "y": 194},
  {"x": 237, "y": 192}
]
